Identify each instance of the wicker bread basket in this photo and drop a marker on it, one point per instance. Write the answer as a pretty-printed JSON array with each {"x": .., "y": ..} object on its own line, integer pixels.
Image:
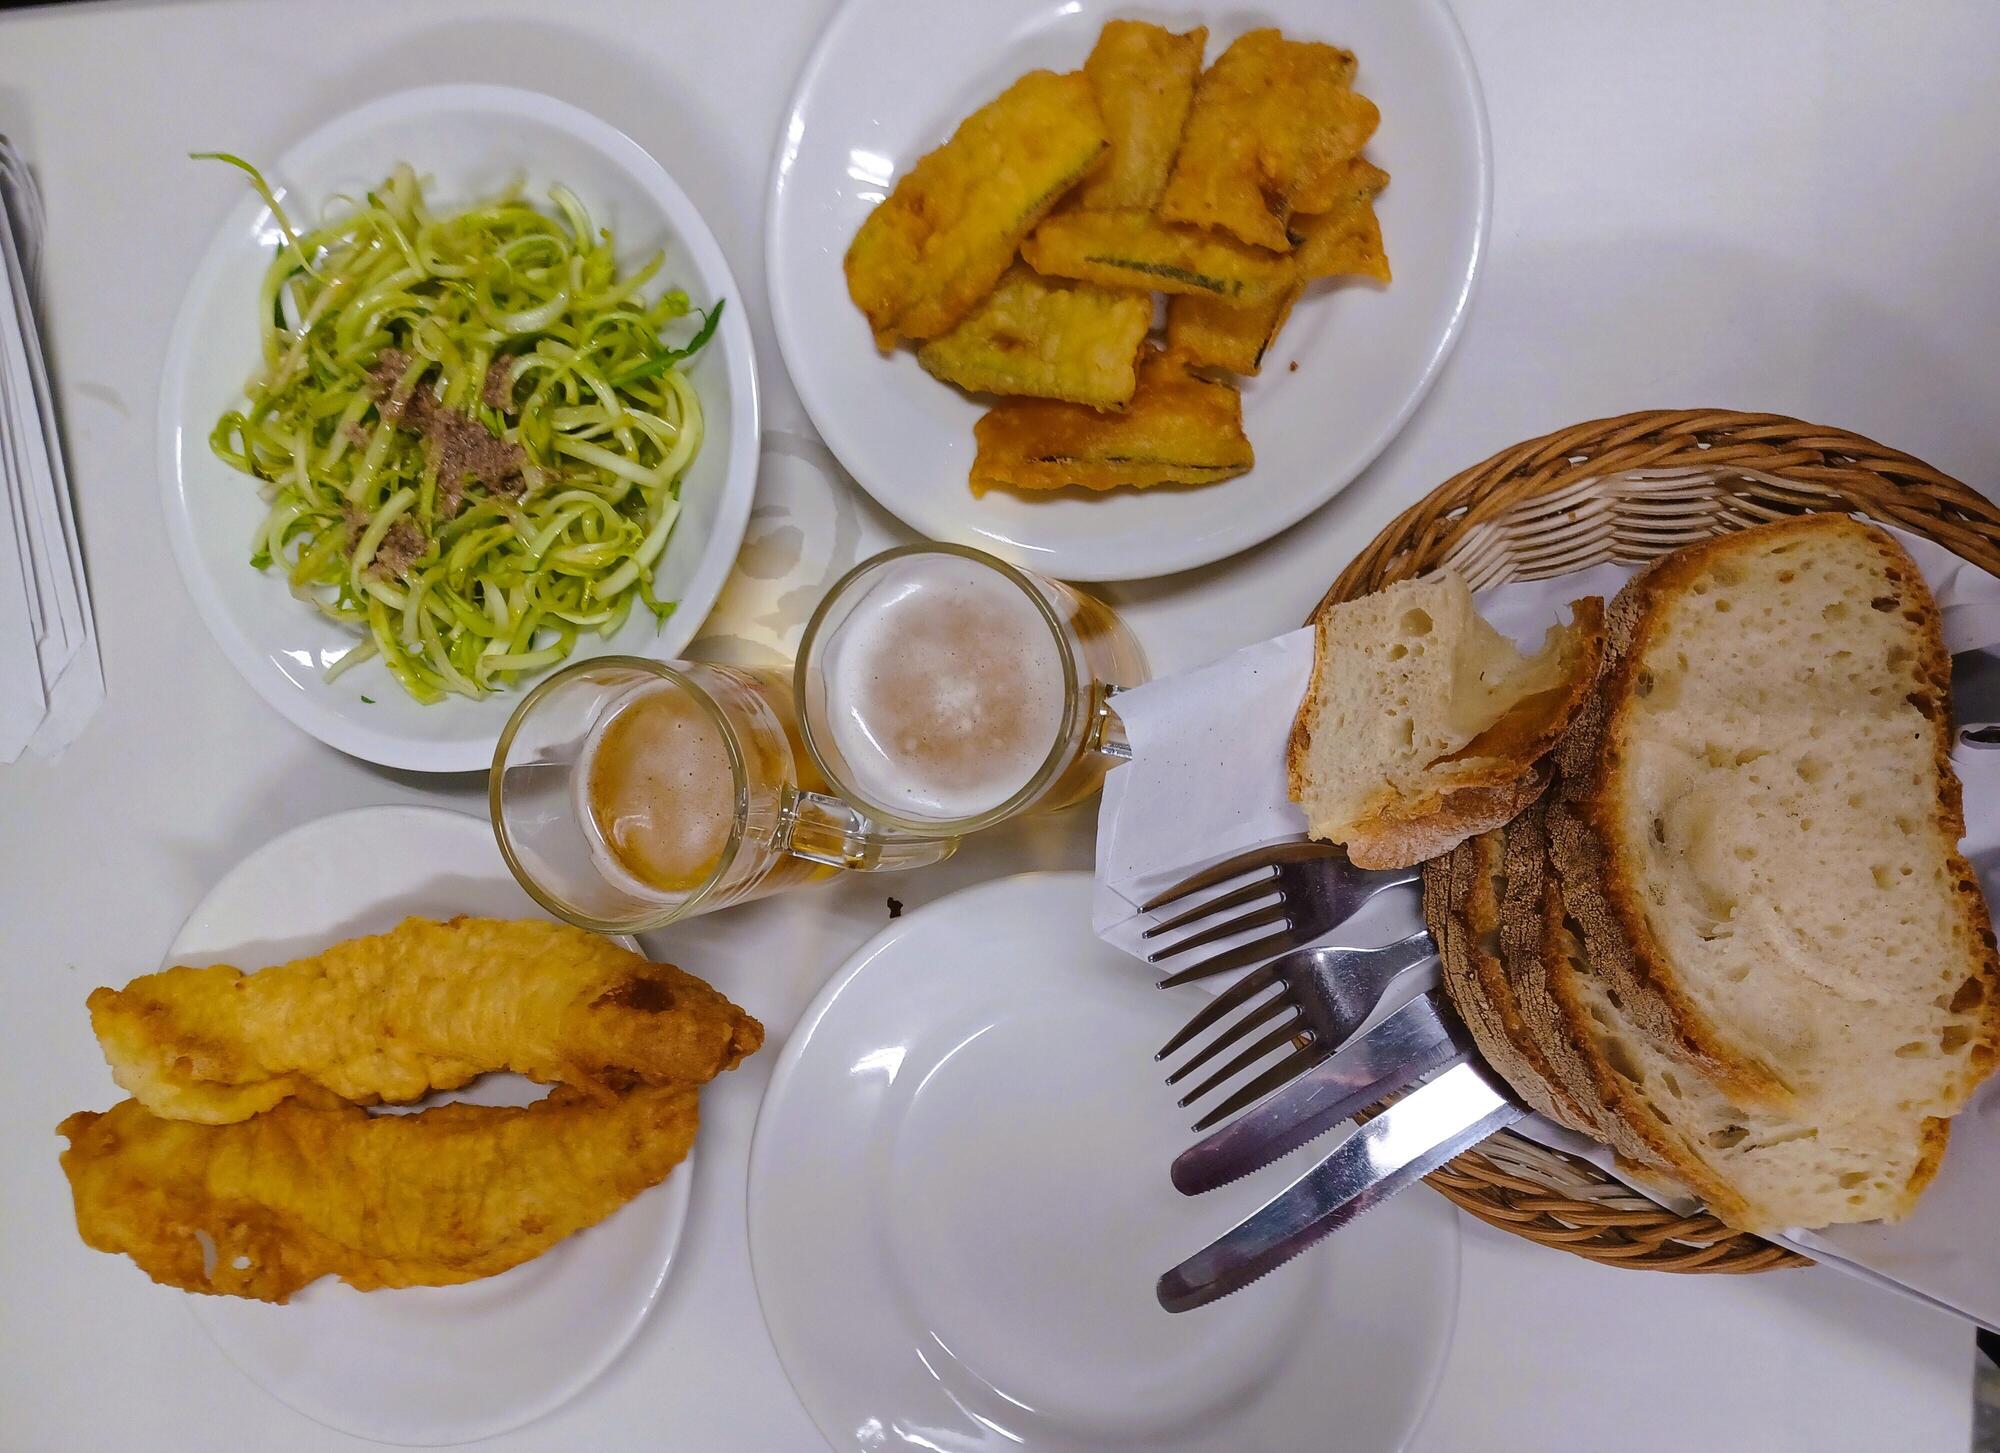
[{"x": 1629, "y": 489}]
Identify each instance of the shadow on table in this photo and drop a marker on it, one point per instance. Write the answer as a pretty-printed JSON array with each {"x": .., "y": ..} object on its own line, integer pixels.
[{"x": 686, "y": 130}]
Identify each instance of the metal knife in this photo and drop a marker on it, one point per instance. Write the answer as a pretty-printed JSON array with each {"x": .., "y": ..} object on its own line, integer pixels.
[
  {"x": 1408, "y": 1045},
  {"x": 1410, "y": 1139},
  {"x": 1975, "y": 697}
]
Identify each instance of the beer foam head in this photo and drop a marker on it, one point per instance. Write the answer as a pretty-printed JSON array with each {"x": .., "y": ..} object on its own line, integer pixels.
[
  {"x": 658, "y": 793},
  {"x": 944, "y": 688}
]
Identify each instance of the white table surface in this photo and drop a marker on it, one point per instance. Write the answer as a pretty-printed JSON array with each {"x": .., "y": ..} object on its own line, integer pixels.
[{"x": 1777, "y": 206}]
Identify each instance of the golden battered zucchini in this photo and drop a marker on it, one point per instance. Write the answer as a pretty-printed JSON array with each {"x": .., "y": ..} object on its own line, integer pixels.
[
  {"x": 1130, "y": 248},
  {"x": 1216, "y": 335},
  {"x": 1143, "y": 78},
  {"x": 1270, "y": 125},
  {"x": 1345, "y": 241},
  {"x": 1046, "y": 339},
  {"x": 1178, "y": 429},
  {"x": 937, "y": 244}
]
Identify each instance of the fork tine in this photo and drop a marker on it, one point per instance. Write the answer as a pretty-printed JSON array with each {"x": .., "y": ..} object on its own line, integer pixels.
[
  {"x": 1235, "y": 996},
  {"x": 1270, "y": 855},
  {"x": 1249, "y": 893},
  {"x": 1290, "y": 1029},
  {"x": 1263, "y": 1014},
  {"x": 1285, "y": 1070},
  {"x": 1266, "y": 947},
  {"x": 1215, "y": 933}
]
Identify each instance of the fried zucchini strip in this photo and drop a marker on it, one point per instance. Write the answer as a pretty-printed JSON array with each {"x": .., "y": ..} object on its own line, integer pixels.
[
  {"x": 1143, "y": 78},
  {"x": 1216, "y": 335},
  {"x": 1132, "y": 249},
  {"x": 1271, "y": 124},
  {"x": 1046, "y": 339},
  {"x": 925, "y": 257},
  {"x": 1343, "y": 247},
  {"x": 1343, "y": 242},
  {"x": 1178, "y": 429}
]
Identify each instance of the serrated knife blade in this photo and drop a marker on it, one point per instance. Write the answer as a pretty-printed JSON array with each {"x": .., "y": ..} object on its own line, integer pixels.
[
  {"x": 1410, "y": 1139},
  {"x": 1402, "y": 1049}
]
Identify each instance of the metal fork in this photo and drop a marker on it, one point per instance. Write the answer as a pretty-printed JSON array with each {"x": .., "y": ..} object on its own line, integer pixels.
[
  {"x": 1324, "y": 994},
  {"x": 1301, "y": 888}
]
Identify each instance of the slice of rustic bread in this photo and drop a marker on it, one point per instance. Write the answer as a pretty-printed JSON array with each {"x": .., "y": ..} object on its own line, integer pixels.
[
  {"x": 1463, "y": 892},
  {"x": 1758, "y": 829},
  {"x": 1422, "y": 725},
  {"x": 1756, "y": 1169},
  {"x": 1673, "y": 1129}
]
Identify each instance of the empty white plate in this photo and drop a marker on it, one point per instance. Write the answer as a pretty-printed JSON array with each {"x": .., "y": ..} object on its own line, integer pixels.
[
  {"x": 889, "y": 81},
  {"x": 467, "y": 142},
  {"x": 422, "y": 1365},
  {"x": 959, "y": 1204}
]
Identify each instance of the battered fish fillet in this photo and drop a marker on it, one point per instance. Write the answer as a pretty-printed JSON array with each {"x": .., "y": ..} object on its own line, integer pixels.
[
  {"x": 426, "y": 1006},
  {"x": 939, "y": 242},
  {"x": 453, "y": 1194}
]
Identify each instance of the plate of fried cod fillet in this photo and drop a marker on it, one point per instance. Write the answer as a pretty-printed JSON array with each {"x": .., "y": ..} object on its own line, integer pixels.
[
  {"x": 1117, "y": 293},
  {"x": 422, "y": 1153}
]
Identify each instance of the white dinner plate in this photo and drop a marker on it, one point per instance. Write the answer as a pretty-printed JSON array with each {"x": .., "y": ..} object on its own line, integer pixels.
[
  {"x": 889, "y": 81},
  {"x": 959, "y": 1204},
  {"x": 422, "y": 1365},
  {"x": 467, "y": 142}
]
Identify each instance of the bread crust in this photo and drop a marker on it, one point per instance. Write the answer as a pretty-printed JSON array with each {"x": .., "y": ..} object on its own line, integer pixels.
[
  {"x": 1603, "y": 893},
  {"x": 1405, "y": 836},
  {"x": 1462, "y": 899},
  {"x": 1541, "y": 952}
]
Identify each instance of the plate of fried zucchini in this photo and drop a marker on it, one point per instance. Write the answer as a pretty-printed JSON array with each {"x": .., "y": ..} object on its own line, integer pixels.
[{"x": 1117, "y": 293}]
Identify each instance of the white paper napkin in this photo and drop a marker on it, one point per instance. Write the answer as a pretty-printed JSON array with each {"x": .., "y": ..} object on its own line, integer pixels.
[
  {"x": 51, "y": 677},
  {"x": 1207, "y": 780}
]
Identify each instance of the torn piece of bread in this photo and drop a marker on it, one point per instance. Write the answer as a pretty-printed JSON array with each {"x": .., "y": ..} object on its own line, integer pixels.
[
  {"x": 1423, "y": 725},
  {"x": 1759, "y": 830}
]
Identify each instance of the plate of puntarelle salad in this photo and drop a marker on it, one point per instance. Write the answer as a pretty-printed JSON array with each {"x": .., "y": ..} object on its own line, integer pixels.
[{"x": 461, "y": 390}]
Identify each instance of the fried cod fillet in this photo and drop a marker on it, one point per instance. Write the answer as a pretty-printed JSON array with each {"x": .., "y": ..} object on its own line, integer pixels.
[
  {"x": 451, "y": 1194},
  {"x": 1178, "y": 429},
  {"x": 1131, "y": 248},
  {"x": 1046, "y": 339},
  {"x": 1143, "y": 78},
  {"x": 426, "y": 1006},
  {"x": 1271, "y": 123},
  {"x": 938, "y": 243}
]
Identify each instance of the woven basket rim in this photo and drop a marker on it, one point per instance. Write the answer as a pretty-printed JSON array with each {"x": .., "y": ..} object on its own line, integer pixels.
[{"x": 1758, "y": 466}]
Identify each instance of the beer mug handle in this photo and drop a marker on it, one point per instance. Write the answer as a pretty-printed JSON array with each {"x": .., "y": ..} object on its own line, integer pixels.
[
  {"x": 1107, "y": 732},
  {"x": 823, "y": 829}
]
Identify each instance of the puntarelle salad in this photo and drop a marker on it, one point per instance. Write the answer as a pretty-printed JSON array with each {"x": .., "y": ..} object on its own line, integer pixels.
[{"x": 469, "y": 429}]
